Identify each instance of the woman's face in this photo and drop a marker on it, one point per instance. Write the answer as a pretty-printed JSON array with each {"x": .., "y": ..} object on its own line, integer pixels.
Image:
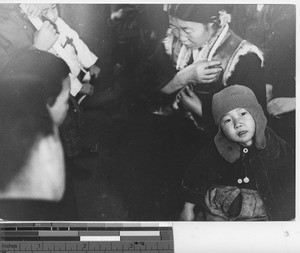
[
  {"x": 60, "y": 108},
  {"x": 192, "y": 34}
]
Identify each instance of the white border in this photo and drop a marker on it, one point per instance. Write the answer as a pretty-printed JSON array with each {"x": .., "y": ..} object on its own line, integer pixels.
[{"x": 241, "y": 237}]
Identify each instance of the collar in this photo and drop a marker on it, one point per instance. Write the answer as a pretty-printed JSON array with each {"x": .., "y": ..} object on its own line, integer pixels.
[{"x": 231, "y": 151}]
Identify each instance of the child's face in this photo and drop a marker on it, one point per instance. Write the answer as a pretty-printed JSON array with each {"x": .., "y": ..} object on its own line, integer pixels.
[
  {"x": 238, "y": 126},
  {"x": 192, "y": 34},
  {"x": 49, "y": 11}
]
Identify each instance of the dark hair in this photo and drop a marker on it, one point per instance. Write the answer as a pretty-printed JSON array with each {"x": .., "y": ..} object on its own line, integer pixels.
[
  {"x": 200, "y": 13},
  {"x": 24, "y": 119},
  {"x": 39, "y": 65}
]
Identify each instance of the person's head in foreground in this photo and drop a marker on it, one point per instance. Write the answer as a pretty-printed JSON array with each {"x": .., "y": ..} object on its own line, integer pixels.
[
  {"x": 32, "y": 160},
  {"x": 50, "y": 76},
  {"x": 34, "y": 102},
  {"x": 240, "y": 118},
  {"x": 195, "y": 24}
]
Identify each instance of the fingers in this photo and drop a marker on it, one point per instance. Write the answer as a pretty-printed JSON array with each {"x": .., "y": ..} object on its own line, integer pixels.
[
  {"x": 211, "y": 71},
  {"x": 210, "y": 78},
  {"x": 189, "y": 92},
  {"x": 182, "y": 95},
  {"x": 211, "y": 64}
]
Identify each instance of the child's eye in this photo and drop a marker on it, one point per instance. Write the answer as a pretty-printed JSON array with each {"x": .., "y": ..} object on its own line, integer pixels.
[
  {"x": 244, "y": 113},
  {"x": 227, "y": 121}
]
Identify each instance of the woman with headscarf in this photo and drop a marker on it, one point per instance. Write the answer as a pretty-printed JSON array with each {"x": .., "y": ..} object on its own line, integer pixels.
[{"x": 200, "y": 56}]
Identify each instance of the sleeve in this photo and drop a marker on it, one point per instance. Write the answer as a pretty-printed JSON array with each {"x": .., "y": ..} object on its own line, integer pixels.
[
  {"x": 200, "y": 175},
  {"x": 250, "y": 73},
  {"x": 75, "y": 85},
  {"x": 276, "y": 178},
  {"x": 156, "y": 71},
  {"x": 85, "y": 56}
]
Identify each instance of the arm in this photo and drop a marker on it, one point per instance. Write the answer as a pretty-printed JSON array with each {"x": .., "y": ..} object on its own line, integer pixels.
[
  {"x": 278, "y": 106},
  {"x": 198, "y": 72},
  {"x": 190, "y": 101},
  {"x": 199, "y": 176},
  {"x": 46, "y": 35},
  {"x": 76, "y": 85}
]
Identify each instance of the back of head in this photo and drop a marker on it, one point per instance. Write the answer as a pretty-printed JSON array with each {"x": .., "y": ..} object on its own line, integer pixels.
[
  {"x": 24, "y": 119},
  {"x": 200, "y": 13},
  {"x": 39, "y": 65},
  {"x": 239, "y": 96}
]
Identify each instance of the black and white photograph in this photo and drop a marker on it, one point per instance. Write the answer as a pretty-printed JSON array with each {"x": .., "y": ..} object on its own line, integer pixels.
[{"x": 148, "y": 112}]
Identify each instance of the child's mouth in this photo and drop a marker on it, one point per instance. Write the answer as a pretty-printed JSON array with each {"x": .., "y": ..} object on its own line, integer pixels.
[{"x": 242, "y": 133}]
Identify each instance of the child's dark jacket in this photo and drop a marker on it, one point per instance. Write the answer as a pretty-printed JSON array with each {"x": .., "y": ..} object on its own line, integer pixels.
[{"x": 271, "y": 172}]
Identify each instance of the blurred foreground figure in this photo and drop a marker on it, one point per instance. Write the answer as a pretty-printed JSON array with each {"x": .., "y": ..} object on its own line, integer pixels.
[
  {"x": 32, "y": 160},
  {"x": 34, "y": 102}
]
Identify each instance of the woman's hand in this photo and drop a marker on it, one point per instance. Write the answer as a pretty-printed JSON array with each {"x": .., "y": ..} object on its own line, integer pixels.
[
  {"x": 189, "y": 100},
  {"x": 278, "y": 106},
  {"x": 201, "y": 72},
  {"x": 198, "y": 72}
]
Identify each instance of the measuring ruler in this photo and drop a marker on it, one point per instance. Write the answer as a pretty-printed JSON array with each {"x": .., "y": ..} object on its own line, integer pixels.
[{"x": 86, "y": 237}]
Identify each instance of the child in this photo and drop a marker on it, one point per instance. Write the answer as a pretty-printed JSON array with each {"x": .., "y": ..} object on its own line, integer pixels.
[
  {"x": 75, "y": 52},
  {"x": 82, "y": 64},
  {"x": 247, "y": 172}
]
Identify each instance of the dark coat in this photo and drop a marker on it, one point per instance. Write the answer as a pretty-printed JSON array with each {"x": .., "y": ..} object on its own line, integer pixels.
[
  {"x": 271, "y": 172},
  {"x": 16, "y": 32}
]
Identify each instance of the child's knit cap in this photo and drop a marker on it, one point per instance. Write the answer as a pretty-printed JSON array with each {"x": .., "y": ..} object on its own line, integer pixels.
[{"x": 230, "y": 98}]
